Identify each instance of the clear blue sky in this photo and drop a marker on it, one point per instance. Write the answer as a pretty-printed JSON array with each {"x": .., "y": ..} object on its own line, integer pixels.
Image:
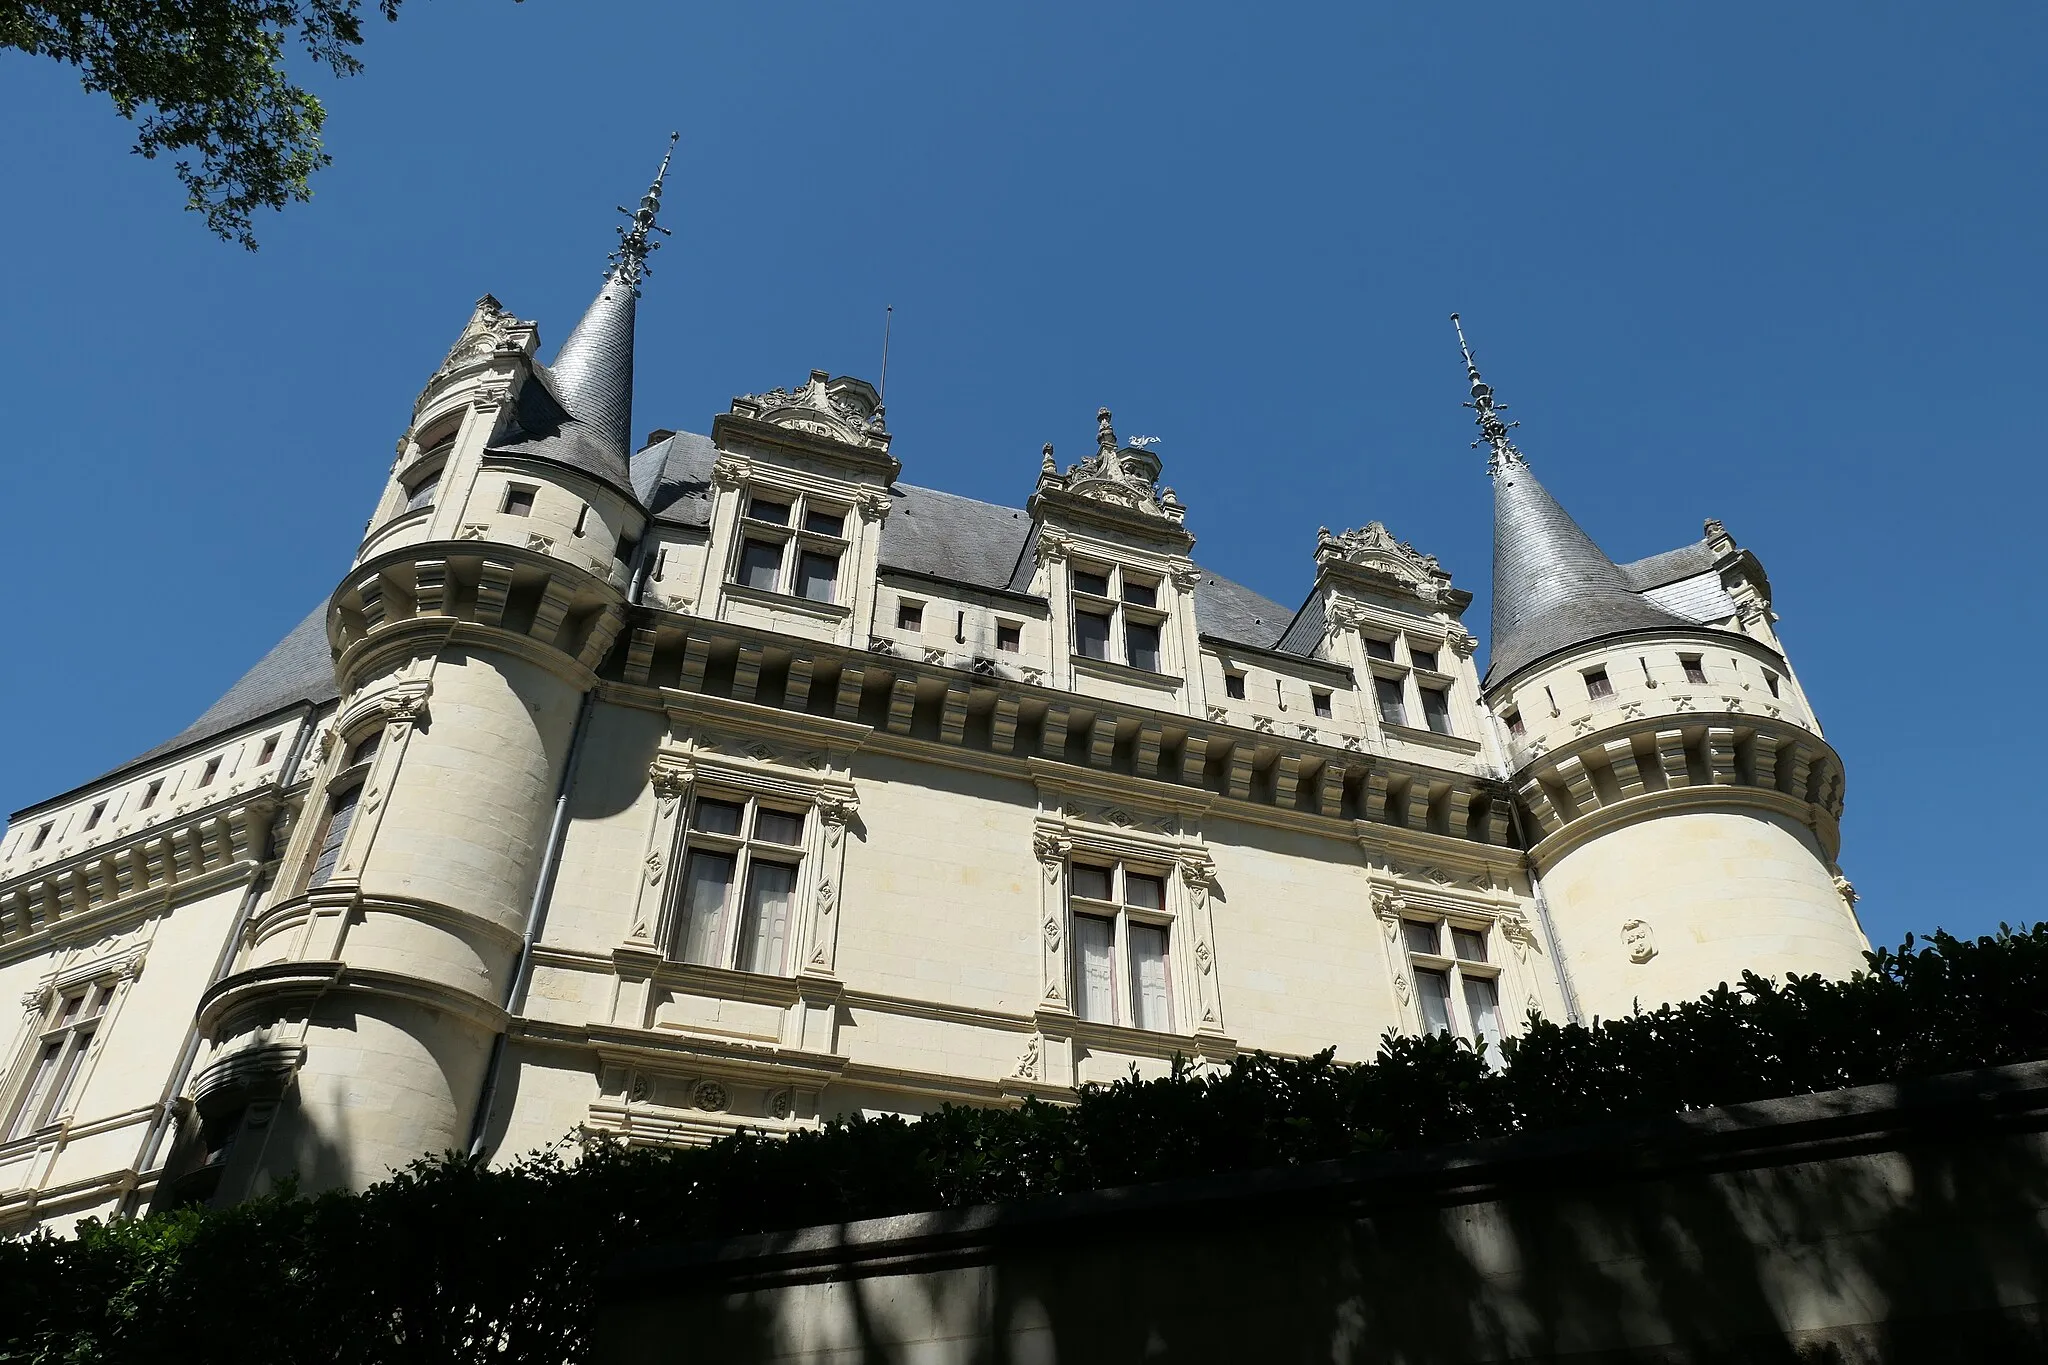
[{"x": 1777, "y": 264}]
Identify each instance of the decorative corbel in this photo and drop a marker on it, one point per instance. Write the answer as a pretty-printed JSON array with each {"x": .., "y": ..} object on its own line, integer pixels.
[
  {"x": 873, "y": 506},
  {"x": 727, "y": 472},
  {"x": 1186, "y": 575}
]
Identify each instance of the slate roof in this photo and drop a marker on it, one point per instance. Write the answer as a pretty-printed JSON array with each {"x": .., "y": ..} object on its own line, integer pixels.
[
  {"x": 542, "y": 429},
  {"x": 1654, "y": 571},
  {"x": 1553, "y": 588}
]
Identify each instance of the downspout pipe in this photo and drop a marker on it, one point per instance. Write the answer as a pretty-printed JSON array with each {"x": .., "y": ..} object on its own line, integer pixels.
[
  {"x": 1564, "y": 976},
  {"x": 536, "y": 917},
  {"x": 160, "y": 1126}
]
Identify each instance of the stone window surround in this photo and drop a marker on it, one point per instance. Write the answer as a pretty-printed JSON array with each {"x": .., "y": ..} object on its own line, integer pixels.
[
  {"x": 390, "y": 715},
  {"x": 1119, "y": 908},
  {"x": 1502, "y": 925},
  {"x": 1413, "y": 679},
  {"x": 1121, "y": 613},
  {"x": 747, "y": 848},
  {"x": 117, "y": 968},
  {"x": 1066, "y": 834},
  {"x": 828, "y": 802},
  {"x": 792, "y": 537}
]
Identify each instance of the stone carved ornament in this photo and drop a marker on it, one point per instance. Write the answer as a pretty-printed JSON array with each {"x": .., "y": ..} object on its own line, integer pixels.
[
  {"x": 1639, "y": 939},
  {"x": 1374, "y": 549},
  {"x": 837, "y": 409},
  {"x": 1120, "y": 476}
]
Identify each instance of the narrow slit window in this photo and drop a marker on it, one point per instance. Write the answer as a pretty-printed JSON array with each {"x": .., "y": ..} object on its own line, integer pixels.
[
  {"x": 1771, "y": 681},
  {"x": 269, "y": 751},
  {"x": 1514, "y": 724},
  {"x": 92, "y": 821},
  {"x": 150, "y": 794},
  {"x": 211, "y": 771}
]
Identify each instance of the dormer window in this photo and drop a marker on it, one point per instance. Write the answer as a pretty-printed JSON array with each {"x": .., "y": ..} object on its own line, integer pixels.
[
  {"x": 1117, "y": 617},
  {"x": 792, "y": 546}
]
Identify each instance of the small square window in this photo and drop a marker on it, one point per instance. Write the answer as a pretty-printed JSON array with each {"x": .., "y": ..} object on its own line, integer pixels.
[
  {"x": 1423, "y": 936},
  {"x": 1771, "y": 681},
  {"x": 1091, "y": 883},
  {"x": 1140, "y": 594},
  {"x": 211, "y": 771},
  {"x": 820, "y": 522},
  {"x": 269, "y": 751},
  {"x": 1468, "y": 944},
  {"x": 42, "y": 836},
  {"x": 1322, "y": 703},
  {"x": 1514, "y": 723},
  {"x": 1091, "y": 635},
  {"x": 518, "y": 500},
  {"x": 93, "y": 821},
  {"x": 1094, "y": 584},
  {"x": 1233, "y": 686},
  {"x": 718, "y": 817},
  {"x": 761, "y": 509},
  {"x": 779, "y": 826},
  {"x": 1424, "y": 659},
  {"x": 1695, "y": 671},
  {"x": 1141, "y": 645},
  {"x": 817, "y": 575},
  {"x": 1597, "y": 685},
  {"x": 1379, "y": 649},
  {"x": 909, "y": 615},
  {"x": 760, "y": 564},
  {"x": 1009, "y": 636},
  {"x": 149, "y": 796},
  {"x": 1436, "y": 709}
]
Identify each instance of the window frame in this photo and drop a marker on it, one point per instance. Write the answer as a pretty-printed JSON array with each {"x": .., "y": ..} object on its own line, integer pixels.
[
  {"x": 1693, "y": 667},
  {"x": 1414, "y": 667},
  {"x": 1116, "y": 606},
  {"x": 1122, "y": 914},
  {"x": 747, "y": 850},
  {"x": 359, "y": 755},
  {"x": 793, "y": 538},
  {"x": 1599, "y": 683},
  {"x": 1448, "y": 962},
  {"x": 516, "y": 491},
  {"x": 50, "y": 1075}
]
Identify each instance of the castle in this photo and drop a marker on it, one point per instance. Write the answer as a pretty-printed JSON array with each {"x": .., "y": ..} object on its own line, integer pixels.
[{"x": 668, "y": 788}]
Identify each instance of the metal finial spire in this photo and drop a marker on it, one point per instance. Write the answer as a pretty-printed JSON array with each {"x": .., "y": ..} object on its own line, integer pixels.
[
  {"x": 1492, "y": 430},
  {"x": 1105, "y": 434},
  {"x": 629, "y": 262}
]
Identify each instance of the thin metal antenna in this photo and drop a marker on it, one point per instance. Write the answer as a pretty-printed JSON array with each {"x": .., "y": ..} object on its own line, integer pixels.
[{"x": 888, "y": 320}]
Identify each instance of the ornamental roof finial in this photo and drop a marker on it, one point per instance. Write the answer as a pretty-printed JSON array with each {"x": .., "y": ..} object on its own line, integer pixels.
[
  {"x": 629, "y": 262},
  {"x": 1492, "y": 430},
  {"x": 1105, "y": 434}
]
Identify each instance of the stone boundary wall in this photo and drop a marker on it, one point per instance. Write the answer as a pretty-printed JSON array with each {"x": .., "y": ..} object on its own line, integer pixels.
[{"x": 1879, "y": 1224}]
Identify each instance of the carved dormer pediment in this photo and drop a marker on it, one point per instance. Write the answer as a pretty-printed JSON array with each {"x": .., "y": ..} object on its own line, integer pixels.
[
  {"x": 489, "y": 339},
  {"x": 842, "y": 409},
  {"x": 1121, "y": 481},
  {"x": 1373, "y": 555}
]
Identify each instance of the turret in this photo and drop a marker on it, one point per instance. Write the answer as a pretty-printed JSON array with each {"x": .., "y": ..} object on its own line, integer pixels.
[
  {"x": 358, "y": 1025},
  {"x": 1679, "y": 800}
]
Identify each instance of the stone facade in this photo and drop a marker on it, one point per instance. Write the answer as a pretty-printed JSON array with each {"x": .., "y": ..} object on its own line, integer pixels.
[{"x": 735, "y": 782}]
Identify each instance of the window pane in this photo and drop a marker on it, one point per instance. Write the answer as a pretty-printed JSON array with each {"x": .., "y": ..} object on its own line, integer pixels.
[
  {"x": 33, "y": 1101},
  {"x": 779, "y": 827},
  {"x": 68, "y": 1011},
  {"x": 1436, "y": 709},
  {"x": 1095, "y": 584},
  {"x": 421, "y": 494},
  {"x": 1393, "y": 710},
  {"x": 1091, "y": 882},
  {"x": 1141, "y": 594},
  {"x": 1141, "y": 644},
  {"x": 718, "y": 817},
  {"x": 825, "y": 523},
  {"x": 1379, "y": 649},
  {"x": 760, "y": 564},
  {"x": 1597, "y": 684},
  {"x": 60, "y": 1094},
  {"x": 1322, "y": 700},
  {"x": 338, "y": 821},
  {"x": 1091, "y": 635},
  {"x": 761, "y": 509},
  {"x": 910, "y": 616},
  {"x": 1433, "y": 991},
  {"x": 1515, "y": 726},
  {"x": 1424, "y": 659},
  {"x": 1482, "y": 1002},
  {"x": 1694, "y": 672},
  {"x": 817, "y": 575},
  {"x": 1151, "y": 999},
  {"x": 519, "y": 501},
  {"x": 1233, "y": 686},
  {"x": 764, "y": 933},
  {"x": 1469, "y": 945},
  {"x": 1145, "y": 893},
  {"x": 1094, "y": 979},
  {"x": 1421, "y": 937},
  {"x": 1011, "y": 638},
  {"x": 366, "y": 749},
  {"x": 707, "y": 888}
]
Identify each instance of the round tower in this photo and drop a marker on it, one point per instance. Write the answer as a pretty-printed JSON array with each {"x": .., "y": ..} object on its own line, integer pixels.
[
  {"x": 1680, "y": 804},
  {"x": 355, "y": 1032}
]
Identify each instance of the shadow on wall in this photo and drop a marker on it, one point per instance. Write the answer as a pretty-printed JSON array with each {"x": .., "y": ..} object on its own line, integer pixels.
[{"x": 1838, "y": 1233}]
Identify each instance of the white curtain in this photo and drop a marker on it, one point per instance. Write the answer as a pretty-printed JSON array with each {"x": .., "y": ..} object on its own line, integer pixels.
[
  {"x": 1482, "y": 1002},
  {"x": 764, "y": 933},
  {"x": 707, "y": 888},
  {"x": 1095, "y": 979},
  {"x": 1151, "y": 999},
  {"x": 1433, "y": 989}
]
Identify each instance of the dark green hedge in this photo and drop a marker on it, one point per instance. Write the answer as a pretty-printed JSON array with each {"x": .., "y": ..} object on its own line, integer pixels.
[{"x": 450, "y": 1261}]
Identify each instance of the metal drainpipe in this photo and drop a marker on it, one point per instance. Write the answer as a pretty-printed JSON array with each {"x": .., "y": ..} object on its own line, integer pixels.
[
  {"x": 515, "y": 989},
  {"x": 160, "y": 1126},
  {"x": 1564, "y": 976}
]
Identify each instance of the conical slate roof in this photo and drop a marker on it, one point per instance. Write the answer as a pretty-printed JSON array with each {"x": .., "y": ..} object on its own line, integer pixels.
[
  {"x": 1553, "y": 588},
  {"x": 593, "y": 373}
]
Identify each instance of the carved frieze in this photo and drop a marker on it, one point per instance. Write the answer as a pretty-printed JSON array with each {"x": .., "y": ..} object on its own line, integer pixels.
[{"x": 1388, "y": 562}]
